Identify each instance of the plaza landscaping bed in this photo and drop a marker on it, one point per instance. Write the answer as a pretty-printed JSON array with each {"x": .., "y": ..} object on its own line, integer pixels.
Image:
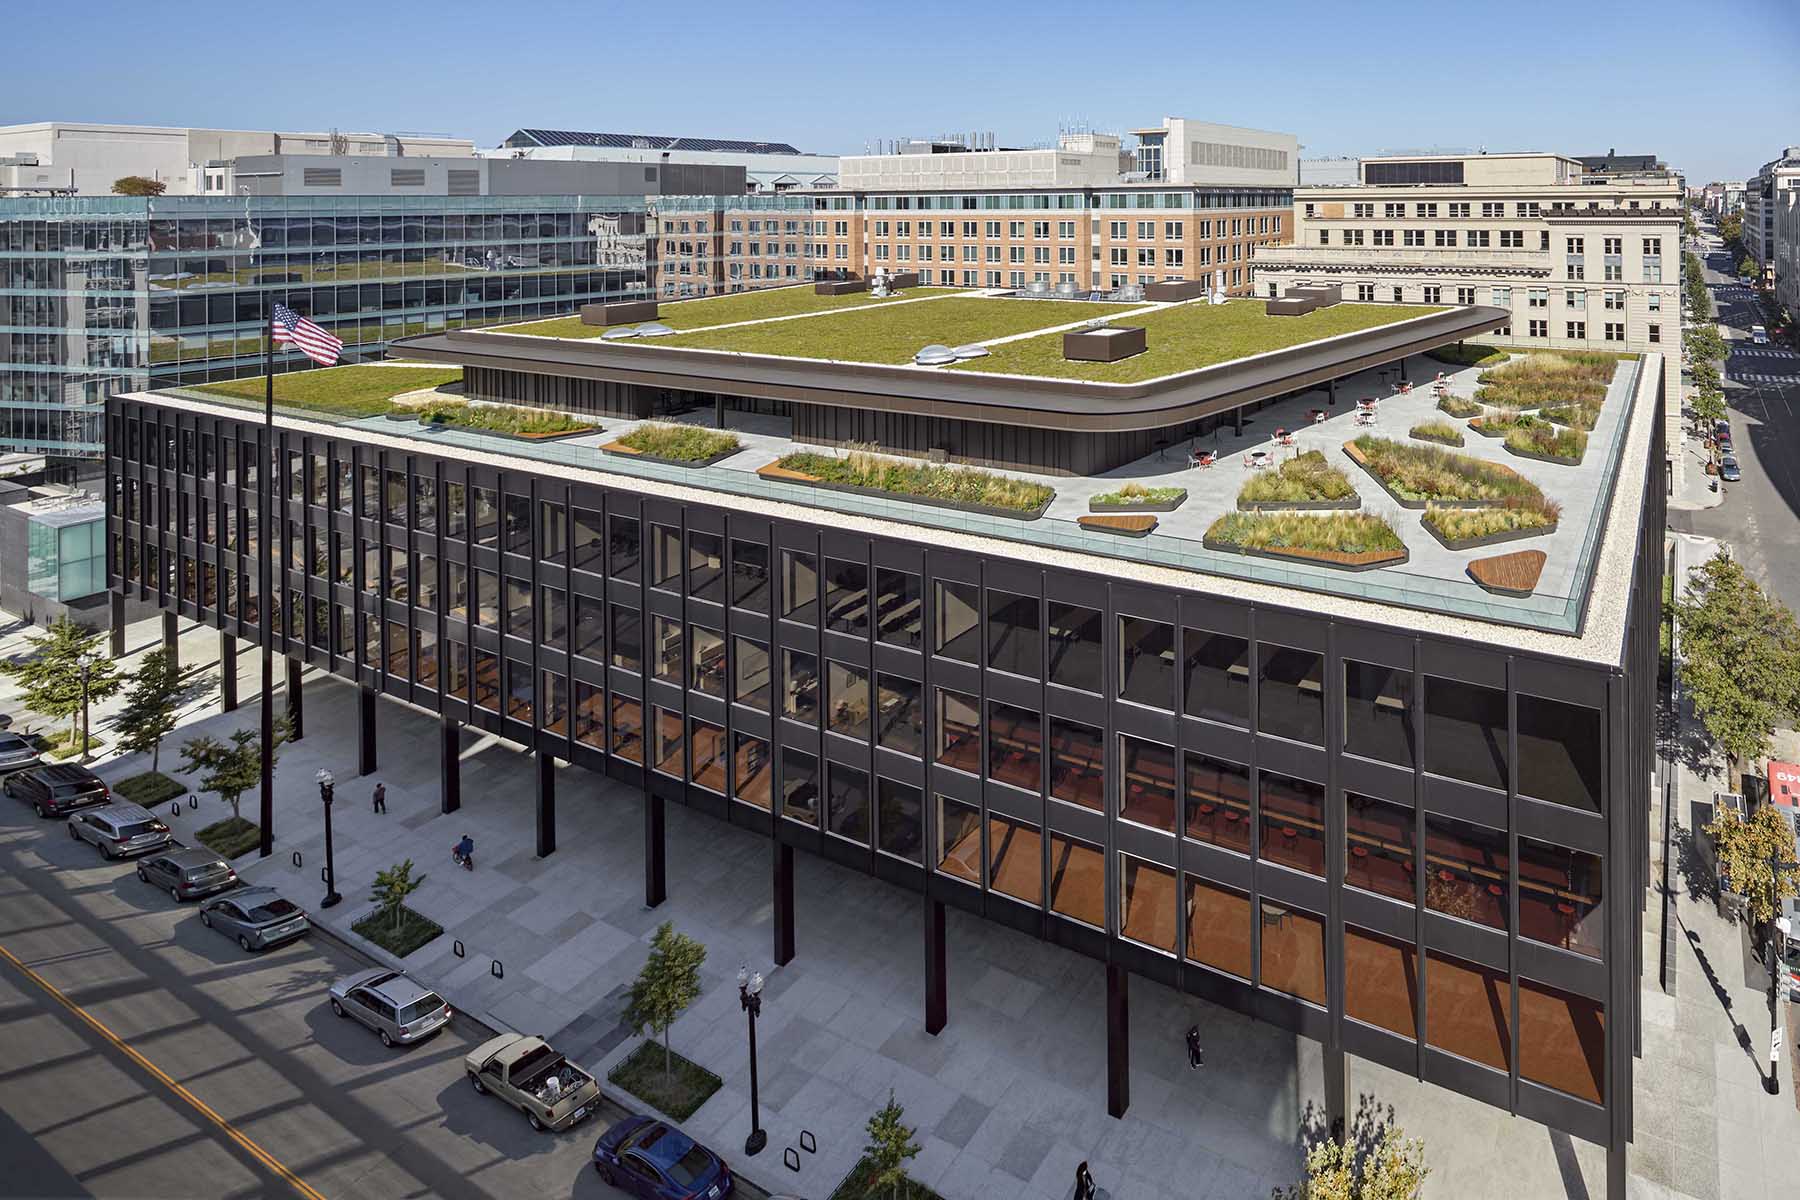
[
  {"x": 354, "y": 391},
  {"x": 1441, "y": 432},
  {"x": 499, "y": 420},
  {"x": 675, "y": 445},
  {"x": 1456, "y": 406},
  {"x": 1533, "y": 437},
  {"x": 1347, "y": 542},
  {"x": 1548, "y": 378},
  {"x": 149, "y": 788},
  {"x": 1468, "y": 354},
  {"x": 859, "y": 1184},
  {"x": 62, "y": 744},
  {"x": 231, "y": 837},
  {"x": 414, "y": 931},
  {"x": 967, "y": 489},
  {"x": 1467, "y": 529},
  {"x": 1304, "y": 483},
  {"x": 1419, "y": 476},
  {"x": 678, "y": 1094},
  {"x": 1136, "y": 498}
]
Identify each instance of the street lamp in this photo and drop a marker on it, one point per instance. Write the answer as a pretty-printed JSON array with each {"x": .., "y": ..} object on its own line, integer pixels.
[
  {"x": 750, "y": 988},
  {"x": 1778, "y": 928},
  {"x": 86, "y": 660},
  {"x": 331, "y": 892}
]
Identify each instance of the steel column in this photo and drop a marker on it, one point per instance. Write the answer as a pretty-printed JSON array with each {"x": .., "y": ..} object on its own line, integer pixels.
[
  {"x": 296, "y": 699},
  {"x": 546, "y": 804},
  {"x": 1118, "y": 1039},
  {"x": 656, "y": 883},
  {"x": 784, "y": 903},
  {"x": 228, "y": 698},
  {"x": 937, "y": 991},
  {"x": 450, "y": 765},
  {"x": 365, "y": 727}
]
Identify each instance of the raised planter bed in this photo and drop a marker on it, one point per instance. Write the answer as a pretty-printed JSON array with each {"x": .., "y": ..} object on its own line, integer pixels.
[
  {"x": 1492, "y": 539},
  {"x": 1367, "y": 561},
  {"x": 1514, "y": 574},
  {"x": 1148, "y": 506},
  {"x": 619, "y": 451},
  {"x": 559, "y": 435},
  {"x": 1457, "y": 406},
  {"x": 786, "y": 475},
  {"x": 1434, "y": 439},
  {"x": 1120, "y": 525},
  {"x": 1356, "y": 457},
  {"x": 1548, "y": 458},
  {"x": 1479, "y": 425},
  {"x": 1348, "y": 503}
]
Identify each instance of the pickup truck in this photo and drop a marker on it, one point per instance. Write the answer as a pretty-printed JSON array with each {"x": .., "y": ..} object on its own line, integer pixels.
[{"x": 552, "y": 1092}]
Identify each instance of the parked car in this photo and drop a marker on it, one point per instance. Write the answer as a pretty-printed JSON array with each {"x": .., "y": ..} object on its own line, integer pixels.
[
  {"x": 551, "y": 1091},
  {"x": 187, "y": 872},
  {"x": 1759, "y": 336},
  {"x": 16, "y": 753},
  {"x": 1728, "y": 469},
  {"x": 120, "y": 829},
  {"x": 1722, "y": 430},
  {"x": 653, "y": 1159},
  {"x": 399, "y": 1009},
  {"x": 258, "y": 918},
  {"x": 57, "y": 788}
]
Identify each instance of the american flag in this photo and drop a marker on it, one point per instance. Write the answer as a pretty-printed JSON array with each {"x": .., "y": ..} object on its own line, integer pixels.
[{"x": 292, "y": 329}]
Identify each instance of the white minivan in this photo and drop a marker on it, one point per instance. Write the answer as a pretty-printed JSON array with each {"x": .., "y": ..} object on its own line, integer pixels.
[{"x": 1759, "y": 336}]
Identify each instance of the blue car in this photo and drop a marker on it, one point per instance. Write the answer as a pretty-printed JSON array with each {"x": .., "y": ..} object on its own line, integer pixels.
[{"x": 646, "y": 1157}]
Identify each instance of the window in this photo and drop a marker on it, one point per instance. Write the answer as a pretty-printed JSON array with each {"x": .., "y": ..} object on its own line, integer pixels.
[
  {"x": 1146, "y": 903},
  {"x": 665, "y": 546},
  {"x": 1381, "y": 237},
  {"x": 487, "y": 681},
  {"x": 553, "y": 612},
  {"x": 1217, "y": 677},
  {"x": 1467, "y": 868},
  {"x": 706, "y": 567},
  {"x": 847, "y": 597},
  {"x": 958, "y": 741},
  {"x": 1293, "y": 951},
  {"x": 800, "y": 686},
  {"x": 847, "y": 803},
  {"x": 1560, "y": 897},
  {"x": 1377, "y": 712},
  {"x": 1217, "y": 796},
  {"x": 1218, "y": 927},
  {"x": 799, "y": 787},
  {"x": 1577, "y": 330},
  {"x": 900, "y": 725},
  {"x": 1576, "y": 298},
  {"x": 898, "y": 612},
  {"x": 899, "y": 820},
  {"x": 1015, "y": 740},
  {"x": 1537, "y": 329},
  {"x": 1412, "y": 237},
  {"x": 708, "y": 753},
  {"x": 1077, "y": 881},
  {"x": 666, "y": 748},
  {"x": 1292, "y": 822},
  {"x": 1379, "y": 836},
  {"x": 1468, "y": 1011},
  {"x": 959, "y": 840},
  {"x": 1512, "y": 239},
  {"x": 1381, "y": 981},
  {"x": 622, "y": 548},
  {"x": 1615, "y": 331},
  {"x": 708, "y": 661},
  {"x": 1291, "y": 696},
  {"x": 1013, "y": 634},
  {"x": 1075, "y": 651},
  {"x": 1444, "y": 237},
  {"x": 1562, "y": 1040},
  {"x": 847, "y": 693},
  {"x": 750, "y": 673},
  {"x": 1147, "y": 662},
  {"x": 1654, "y": 333},
  {"x": 1146, "y": 783},
  {"x": 666, "y": 646},
  {"x": 1465, "y": 732},
  {"x": 750, "y": 771},
  {"x": 1432, "y": 294},
  {"x": 799, "y": 587},
  {"x": 957, "y": 630},
  {"x": 627, "y": 639}
]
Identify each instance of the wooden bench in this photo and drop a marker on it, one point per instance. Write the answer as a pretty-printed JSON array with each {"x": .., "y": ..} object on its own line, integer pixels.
[
  {"x": 1124, "y": 524},
  {"x": 1514, "y": 574}
]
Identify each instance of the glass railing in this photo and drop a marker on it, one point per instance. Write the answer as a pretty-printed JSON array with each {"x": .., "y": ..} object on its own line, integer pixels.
[{"x": 1560, "y": 609}]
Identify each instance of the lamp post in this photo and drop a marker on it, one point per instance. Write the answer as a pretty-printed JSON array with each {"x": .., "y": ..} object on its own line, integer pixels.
[
  {"x": 750, "y": 988},
  {"x": 1778, "y": 927},
  {"x": 331, "y": 892},
  {"x": 86, "y": 660}
]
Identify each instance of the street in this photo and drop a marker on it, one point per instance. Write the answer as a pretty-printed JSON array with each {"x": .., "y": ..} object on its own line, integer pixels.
[
  {"x": 1762, "y": 391},
  {"x": 238, "y": 1080}
]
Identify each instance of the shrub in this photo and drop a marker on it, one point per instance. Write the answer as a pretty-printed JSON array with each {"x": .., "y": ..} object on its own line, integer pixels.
[
  {"x": 1345, "y": 533},
  {"x": 684, "y": 443},
  {"x": 1137, "y": 493},
  {"x": 1438, "y": 431},
  {"x": 231, "y": 837},
  {"x": 1456, "y": 406},
  {"x": 1536, "y": 380},
  {"x": 1432, "y": 473},
  {"x": 1552, "y": 441},
  {"x": 956, "y": 485},
  {"x": 501, "y": 418},
  {"x": 1459, "y": 524},
  {"x": 1468, "y": 354},
  {"x": 1301, "y": 478}
]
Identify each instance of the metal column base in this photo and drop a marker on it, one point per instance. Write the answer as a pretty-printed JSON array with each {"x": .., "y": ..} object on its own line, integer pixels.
[
  {"x": 1118, "y": 1040},
  {"x": 937, "y": 990}
]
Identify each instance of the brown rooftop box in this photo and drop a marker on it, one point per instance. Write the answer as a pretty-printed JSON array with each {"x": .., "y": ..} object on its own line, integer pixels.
[
  {"x": 1322, "y": 295},
  {"x": 839, "y": 287},
  {"x": 1108, "y": 343},
  {"x": 1289, "y": 305},
  {"x": 903, "y": 279},
  {"x": 618, "y": 312},
  {"x": 1175, "y": 289}
]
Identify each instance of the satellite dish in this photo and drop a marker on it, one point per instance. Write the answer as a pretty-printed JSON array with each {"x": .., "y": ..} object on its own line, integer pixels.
[
  {"x": 970, "y": 351},
  {"x": 618, "y": 335},
  {"x": 654, "y": 329},
  {"x": 935, "y": 355}
]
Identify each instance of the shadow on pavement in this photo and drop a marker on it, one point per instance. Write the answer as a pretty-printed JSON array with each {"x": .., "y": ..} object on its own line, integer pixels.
[{"x": 497, "y": 1124}]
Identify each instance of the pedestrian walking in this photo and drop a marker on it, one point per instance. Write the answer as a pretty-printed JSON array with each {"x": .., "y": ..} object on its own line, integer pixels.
[
  {"x": 1196, "y": 1056},
  {"x": 1084, "y": 1183},
  {"x": 381, "y": 797}
]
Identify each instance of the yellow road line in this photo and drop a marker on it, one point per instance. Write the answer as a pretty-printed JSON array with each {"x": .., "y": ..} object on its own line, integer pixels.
[{"x": 226, "y": 1127}]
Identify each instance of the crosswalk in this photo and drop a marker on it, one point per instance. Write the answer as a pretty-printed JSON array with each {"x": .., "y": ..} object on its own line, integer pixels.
[
  {"x": 1763, "y": 352},
  {"x": 1754, "y": 377}
]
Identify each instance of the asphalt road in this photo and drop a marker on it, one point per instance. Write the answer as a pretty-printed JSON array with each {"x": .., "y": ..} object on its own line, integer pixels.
[
  {"x": 1760, "y": 517},
  {"x": 221, "y": 1074}
]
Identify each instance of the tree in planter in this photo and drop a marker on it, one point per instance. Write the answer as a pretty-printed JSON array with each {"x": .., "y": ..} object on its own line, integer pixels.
[
  {"x": 1703, "y": 343},
  {"x": 890, "y": 1146},
  {"x": 50, "y": 676},
  {"x": 391, "y": 889},
  {"x": 138, "y": 185},
  {"x": 1393, "y": 1169},
  {"x": 1740, "y": 653},
  {"x": 159, "y": 687},
  {"x": 1705, "y": 376},
  {"x": 1709, "y": 407},
  {"x": 669, "y": 982},
  {"x": 234, "y": 766}
]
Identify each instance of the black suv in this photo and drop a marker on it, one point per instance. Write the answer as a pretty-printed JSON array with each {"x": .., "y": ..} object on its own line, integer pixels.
[{"x": 57, "y": 789}]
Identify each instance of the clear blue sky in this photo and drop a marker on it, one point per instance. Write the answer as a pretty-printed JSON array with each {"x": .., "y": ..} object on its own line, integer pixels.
[{"x": 1710, "y": 85}]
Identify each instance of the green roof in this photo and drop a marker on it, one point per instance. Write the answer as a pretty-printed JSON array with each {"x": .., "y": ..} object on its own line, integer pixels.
[
  {"x": 895, "y": 333},
  {"x": 723, "y": 310},
  {"x": 355, "y": 391},
  {"x": 1193, "y": 335}
]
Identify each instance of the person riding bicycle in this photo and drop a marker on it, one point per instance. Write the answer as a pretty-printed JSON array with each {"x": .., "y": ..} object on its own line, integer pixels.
[{"x": 464, "y": 851}]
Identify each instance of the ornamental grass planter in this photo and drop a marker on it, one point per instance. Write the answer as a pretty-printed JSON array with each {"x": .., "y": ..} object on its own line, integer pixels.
[
  {"x": 1492, "y": 539},
  {"x": 1459, "y": 408},
  {"x": 1150, "y": 506},
  {"x": 1356, "y": 457},
  {"x": 1348, "y": 503},
  {"x": 617, "y": 450},
  {"x": 481, "y": 431},
  {"x": 1547, "y": 458},
  {"x": 1339, "y": 560},
  {"x": 1458, "y": 444},
  {"x": 788, "y": 475}
]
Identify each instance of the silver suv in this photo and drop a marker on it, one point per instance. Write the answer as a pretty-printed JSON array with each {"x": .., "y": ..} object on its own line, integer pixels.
[
  {"x": 120, "y": 829},
  {"x": 397, "y": 1008}
]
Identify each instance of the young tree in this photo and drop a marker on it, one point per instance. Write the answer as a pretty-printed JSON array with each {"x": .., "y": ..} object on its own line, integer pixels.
[
  {"x": 234, "y": 766},
  {"x": 138, "y": 185},
  {"x": 669, "y": 982},
  {"x": 50, "y": 676},
  {"x": 1740, "y": 655},
  {"x": 392, "y": 887},
  {"x": 1703, "y": 343},
  {"x": 1731, "y": 227},
  {"x": 1709, "y": 407},
  {"x": 159, "y": 687},
  {"x": 1746, "y": 853},
  {"x": 1393, "y": 1169},
  {"x": 1705, "y": 376},
  {"x": 890, "y": 1146}
]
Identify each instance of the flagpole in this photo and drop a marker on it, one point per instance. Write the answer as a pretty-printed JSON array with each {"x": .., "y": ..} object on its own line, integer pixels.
[{"x": 265, "y": 548}]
